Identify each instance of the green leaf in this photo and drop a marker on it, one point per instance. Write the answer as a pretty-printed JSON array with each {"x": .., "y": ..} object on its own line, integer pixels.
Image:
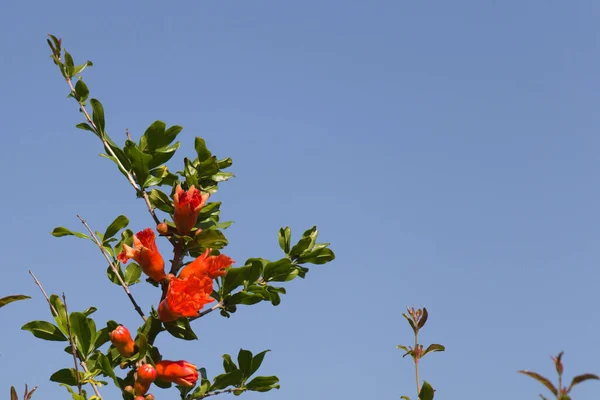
[
  {"x": 45, "y": 330},
  {"x": 69, "y": 64},
  {"x": 233, "y": 378},
  {"x": 246, "y": 298},
  {"x": 280, "y": 271},
  {"x": 132, "y": 274},
  {"x": 201, "y": 390},
  {"x": 85, "y": 126},
  {"x": 234, "y": 278},
  {"x": 62, "y": 231},
  {"x": 228, "y": 364},
  {"x": 582, "y": 378},
  {"x": 67, "y": 376},
  {"x": 263, "y": 383},
  {"x": 83, "y": 331},
  {"x": 82, "y": 91},
  {"x": 319, "y": 256},
  {"x": 426, "y": 392},
  {"x": 61, "y": 318},
  {"x": 181, "y": 329},
  {"x": 285, "y": 235},
  {"x": 423, "y": 318},
  {"x": 140, "y": 162},
  {"x": 162, "y": 155},
  {"x": 119, "y": 223},
  {"x": 257, "y": 361},
  {"x": 211, "y": 238},
  {"x": 98, "y": 116},
  {"x": 201, "y": 149},
  {"x": 9, "y": 299},
  {"x": 433, "y": 347},
  {"x": 156, "y": 136},
  {"x": 245, "y": 362},
  {"x": 161, "y": 201},
  {"x": 405, "y": 397},
  {"x": 106, "y": 368},
  {"x": 89, "y": 311},
  {"x": 302, "y": 245},
  {"x": 541, "y": 379},
  {"x": 112, "y": 276}
]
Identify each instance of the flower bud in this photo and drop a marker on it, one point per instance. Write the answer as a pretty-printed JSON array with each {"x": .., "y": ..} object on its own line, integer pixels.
[
  {"x": 149, "y": 396},
  {"x": 178, "y": 372},
  {"x": 162, "y": 228},
  {"x": 128, "y": 389},
  {"x": 121, "y": 339},
  {"x": 146, "y": 374}
]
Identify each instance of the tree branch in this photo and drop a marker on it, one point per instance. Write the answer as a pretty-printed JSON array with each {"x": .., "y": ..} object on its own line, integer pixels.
[{"x": 114, "y": 268}]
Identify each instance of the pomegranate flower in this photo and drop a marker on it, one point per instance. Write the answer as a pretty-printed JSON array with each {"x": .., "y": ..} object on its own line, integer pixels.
[
  {"x": 187, "y": 207},
  {"x": 185, "y": 298},
  {"x": 121, "y": 339},
  {"x": 178, "y": 372},
  {"x": 207, "y": 265},
  {"x": 145, "y": 253}
]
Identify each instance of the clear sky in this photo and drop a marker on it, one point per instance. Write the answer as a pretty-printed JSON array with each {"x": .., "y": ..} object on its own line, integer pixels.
[{"x": 449, "y": 150}]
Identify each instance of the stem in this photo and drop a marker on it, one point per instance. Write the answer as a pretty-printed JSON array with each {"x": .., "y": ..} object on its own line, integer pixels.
[
  {"x": 178, "y": 254},
  {"x": 417, "y": 364},
  {"x": 216, "y": 392},
  {"x": 55, "y": 313},
  {"x": 213, "y": 308},
  {"x": 114, "y": 268},
  {"x": 109, "y": 150},
  {"x": 73, "y": 346}
]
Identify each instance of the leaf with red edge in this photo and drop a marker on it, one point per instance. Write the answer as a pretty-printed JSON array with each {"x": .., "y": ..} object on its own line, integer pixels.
[{"x": 544, "y": 381}]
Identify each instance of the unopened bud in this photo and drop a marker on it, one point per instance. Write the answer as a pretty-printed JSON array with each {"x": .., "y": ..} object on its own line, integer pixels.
[
  {"x": 124, "y": 365},
  {"x": 128, "y": 389},
  {"x": 149, "y": 396},
  {"x": 146, "y": 374},
  {"x": 162, "y": 228},
  {"x": 121, "y": 339}
]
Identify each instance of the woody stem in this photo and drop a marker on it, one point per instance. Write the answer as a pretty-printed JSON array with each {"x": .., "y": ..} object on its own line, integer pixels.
[{"x": 417, "y": 356}]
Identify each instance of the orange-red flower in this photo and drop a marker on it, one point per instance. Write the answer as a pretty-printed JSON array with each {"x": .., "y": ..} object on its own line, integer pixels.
[
  {"x": 185, "y": 298},
  {"x": 146, "y": 374},
  {"x": 207, "y": 265},
  {"x": 178, "y": 372},
  {"x": 187, "y": 207},
  {"x": 145, "y": 253},
  {"x": 121, "y": 339}
]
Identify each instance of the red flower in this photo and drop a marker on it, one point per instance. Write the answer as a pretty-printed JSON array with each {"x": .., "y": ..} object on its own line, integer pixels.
[
  {"x": 187, "y": 207},
  {"x": 145, "y": 253},
  {"x": 146, "y": 374},
  {"x": 178, "y": 372},
  {"x": 207, "y": 265},
  {"x": 121, "y": 339},
  {"x": 185, "y": 298}
]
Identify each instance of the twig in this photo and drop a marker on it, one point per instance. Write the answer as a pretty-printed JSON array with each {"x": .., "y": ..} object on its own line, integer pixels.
[
  {"x": 206, "y": 312},
  {"x": 216, "y": 392},
  {"x": 109, "y": 150},
  {"x": 73, "y": 345},
  {"x": 38, "y": 283},
  {"x": 113, "y": 267},
  {"x": 83, "y": 364}
]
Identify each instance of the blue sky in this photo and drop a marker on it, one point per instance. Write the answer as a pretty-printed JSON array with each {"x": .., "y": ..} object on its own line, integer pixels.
[{"x": 448, "y": 150}]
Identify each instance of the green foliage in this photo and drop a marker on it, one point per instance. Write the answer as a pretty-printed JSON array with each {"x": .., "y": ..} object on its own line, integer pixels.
[
  {"x": 143, "y": 162},
  {"x": 426, "y": 392}
]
